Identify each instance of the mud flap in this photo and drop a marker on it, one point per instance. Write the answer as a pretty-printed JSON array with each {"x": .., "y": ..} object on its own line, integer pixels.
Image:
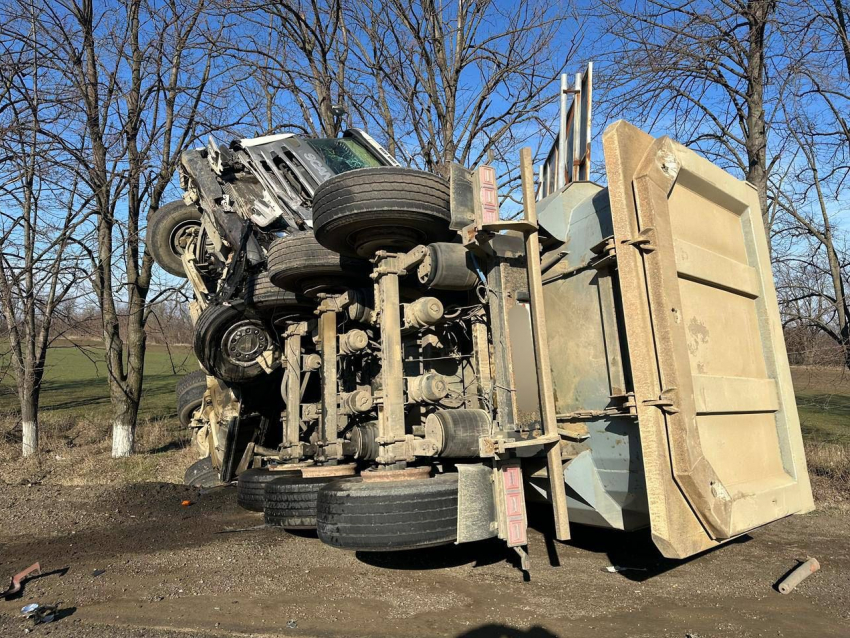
[{"x": 476, "y": 507}]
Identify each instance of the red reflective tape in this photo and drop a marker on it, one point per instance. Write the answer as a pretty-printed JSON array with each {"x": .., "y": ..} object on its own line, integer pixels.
[
  {"x": 489, "y": 194},
  {"x": 514, "y": 506},
  {"x": 516, "y": 534}
]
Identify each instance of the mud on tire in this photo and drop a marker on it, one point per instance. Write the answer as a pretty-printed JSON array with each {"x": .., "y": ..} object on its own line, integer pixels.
[{"x": 390, "y": 515}]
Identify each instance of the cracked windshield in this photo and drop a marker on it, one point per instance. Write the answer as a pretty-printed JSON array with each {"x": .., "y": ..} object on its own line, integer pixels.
[{"x": 344, "y": 154}]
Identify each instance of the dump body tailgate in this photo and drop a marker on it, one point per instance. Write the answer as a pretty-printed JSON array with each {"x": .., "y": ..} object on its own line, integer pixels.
[{"x": 720, "y": 435}]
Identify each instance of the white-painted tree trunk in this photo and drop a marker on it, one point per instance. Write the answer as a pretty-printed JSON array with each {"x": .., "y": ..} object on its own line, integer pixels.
[
  {"x": 30, "y": 431},
  {"x": 123, "y": 436}
]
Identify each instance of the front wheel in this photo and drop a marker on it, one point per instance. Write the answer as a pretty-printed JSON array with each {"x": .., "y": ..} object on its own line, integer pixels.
[
  {"x": 170, "y": 231},
  {"x": 202, "y": 474},
  {"x": 190, "y": 395}
]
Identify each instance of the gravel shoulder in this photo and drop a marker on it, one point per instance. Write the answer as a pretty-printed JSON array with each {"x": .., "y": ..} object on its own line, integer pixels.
[{"x": 210, "y": 569}]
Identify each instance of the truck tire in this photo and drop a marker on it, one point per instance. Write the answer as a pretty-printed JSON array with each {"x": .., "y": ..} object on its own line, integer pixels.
[
  {"x": 250, "y": 488},
  {"x": 227, "y": 343},
  {"x": 267, "y": 299},
  {"x": 202, "y": 474},
  {"x": 291, "y": 501},
  {"x": 168, "y": 229},
  {"x": 298, "y": 263},
  {"x": 190, "y": 395},
  {"x": 359, "y": 212},
  {"x": 390, "y": 515}
]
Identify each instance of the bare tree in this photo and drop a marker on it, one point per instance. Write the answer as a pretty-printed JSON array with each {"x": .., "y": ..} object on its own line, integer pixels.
[
  {"x": 699, "y": 69},
  {"x": 810, "y": 193},
  {"x": 459, "y": 82},
  {"x": 435, "y": 83},
  {"x": 40, "y": 211},
  {"x": 816, "y": 294},
  {"x": 141, "y": 74},
  {"x": 291, "y": 64}
]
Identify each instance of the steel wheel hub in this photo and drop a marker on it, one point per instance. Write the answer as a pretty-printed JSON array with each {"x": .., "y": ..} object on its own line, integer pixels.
[
  {"x": 182, "y": 234},
  {"x": 245, "y": 341}
]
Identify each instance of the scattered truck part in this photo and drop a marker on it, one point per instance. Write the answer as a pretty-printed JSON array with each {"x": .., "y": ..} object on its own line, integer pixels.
[{"x": 801, "y": 573}]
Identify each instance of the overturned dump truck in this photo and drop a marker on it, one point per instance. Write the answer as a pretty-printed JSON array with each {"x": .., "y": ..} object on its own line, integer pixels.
[{"x": 388, "y": 361}]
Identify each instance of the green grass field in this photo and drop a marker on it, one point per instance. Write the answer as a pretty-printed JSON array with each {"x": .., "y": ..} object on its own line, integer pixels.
[
  {"x": 76, "y": 384},
  {"x": 823, "y": 401},
  {"x": 76, "y": 415}
]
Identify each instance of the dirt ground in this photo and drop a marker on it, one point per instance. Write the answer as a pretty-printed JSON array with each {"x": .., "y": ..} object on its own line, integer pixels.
[{"x": 210, "y": 569}]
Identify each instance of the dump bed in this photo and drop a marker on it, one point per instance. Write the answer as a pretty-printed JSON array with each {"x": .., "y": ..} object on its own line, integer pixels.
[
  {"x": 721, "y": 440},
  {"x": 667, "y": 348}
]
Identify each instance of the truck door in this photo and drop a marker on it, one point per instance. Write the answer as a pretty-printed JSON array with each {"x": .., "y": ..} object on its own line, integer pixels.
[{"x": 720, "y": 436}]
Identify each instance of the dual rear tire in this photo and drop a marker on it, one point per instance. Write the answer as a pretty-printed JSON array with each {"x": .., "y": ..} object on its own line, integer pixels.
[
  {"x": 290, "y": 501},
  {"x": 355, "y": 514},
  {"x": 355, "y": 214},
  {"x": 390, "y": 515}
]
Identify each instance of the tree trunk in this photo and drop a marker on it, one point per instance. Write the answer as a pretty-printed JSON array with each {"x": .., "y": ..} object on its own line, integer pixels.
[
  {"x": 124, "y": 426},
  {"x": 126, "y": 394},
  {"x": 29, "y": 423},
  {"x": 757, "y": 13}
]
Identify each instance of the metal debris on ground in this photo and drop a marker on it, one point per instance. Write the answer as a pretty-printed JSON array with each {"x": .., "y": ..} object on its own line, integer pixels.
[
  {"x": 234, "y": 530},
  {"x": 292, "y": 625},
  {"x": 17, "y": 580},
  {"x": 98, "y": 572},
  {"x": 798, "y": 575},
  {"x": 613, "y": 569},
  {"x": 40, "y": 614}
]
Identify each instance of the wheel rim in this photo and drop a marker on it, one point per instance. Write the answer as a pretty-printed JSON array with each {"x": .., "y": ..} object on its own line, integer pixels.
[
  {"x": 244, "y": 342},
  {"x": 181, "y": 235},
  {"x": 369, "y": 241}
]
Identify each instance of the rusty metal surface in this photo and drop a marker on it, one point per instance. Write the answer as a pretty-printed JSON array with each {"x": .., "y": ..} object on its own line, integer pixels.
[
  {"x": 314, "y": 471},
  {"x": 568, "y": 159},
  {"x": 407, "y": 474},
  {"x": 290, "y": 467},
  {"x": 18, "y": 579},
  {"x": 801, "y": 573}
]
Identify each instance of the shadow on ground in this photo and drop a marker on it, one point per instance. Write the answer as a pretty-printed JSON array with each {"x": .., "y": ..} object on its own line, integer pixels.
[
  {"x": 633, "y": 552},
  {"x": 504, "y": 631},
  {"x": 479, "y": 554}
]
